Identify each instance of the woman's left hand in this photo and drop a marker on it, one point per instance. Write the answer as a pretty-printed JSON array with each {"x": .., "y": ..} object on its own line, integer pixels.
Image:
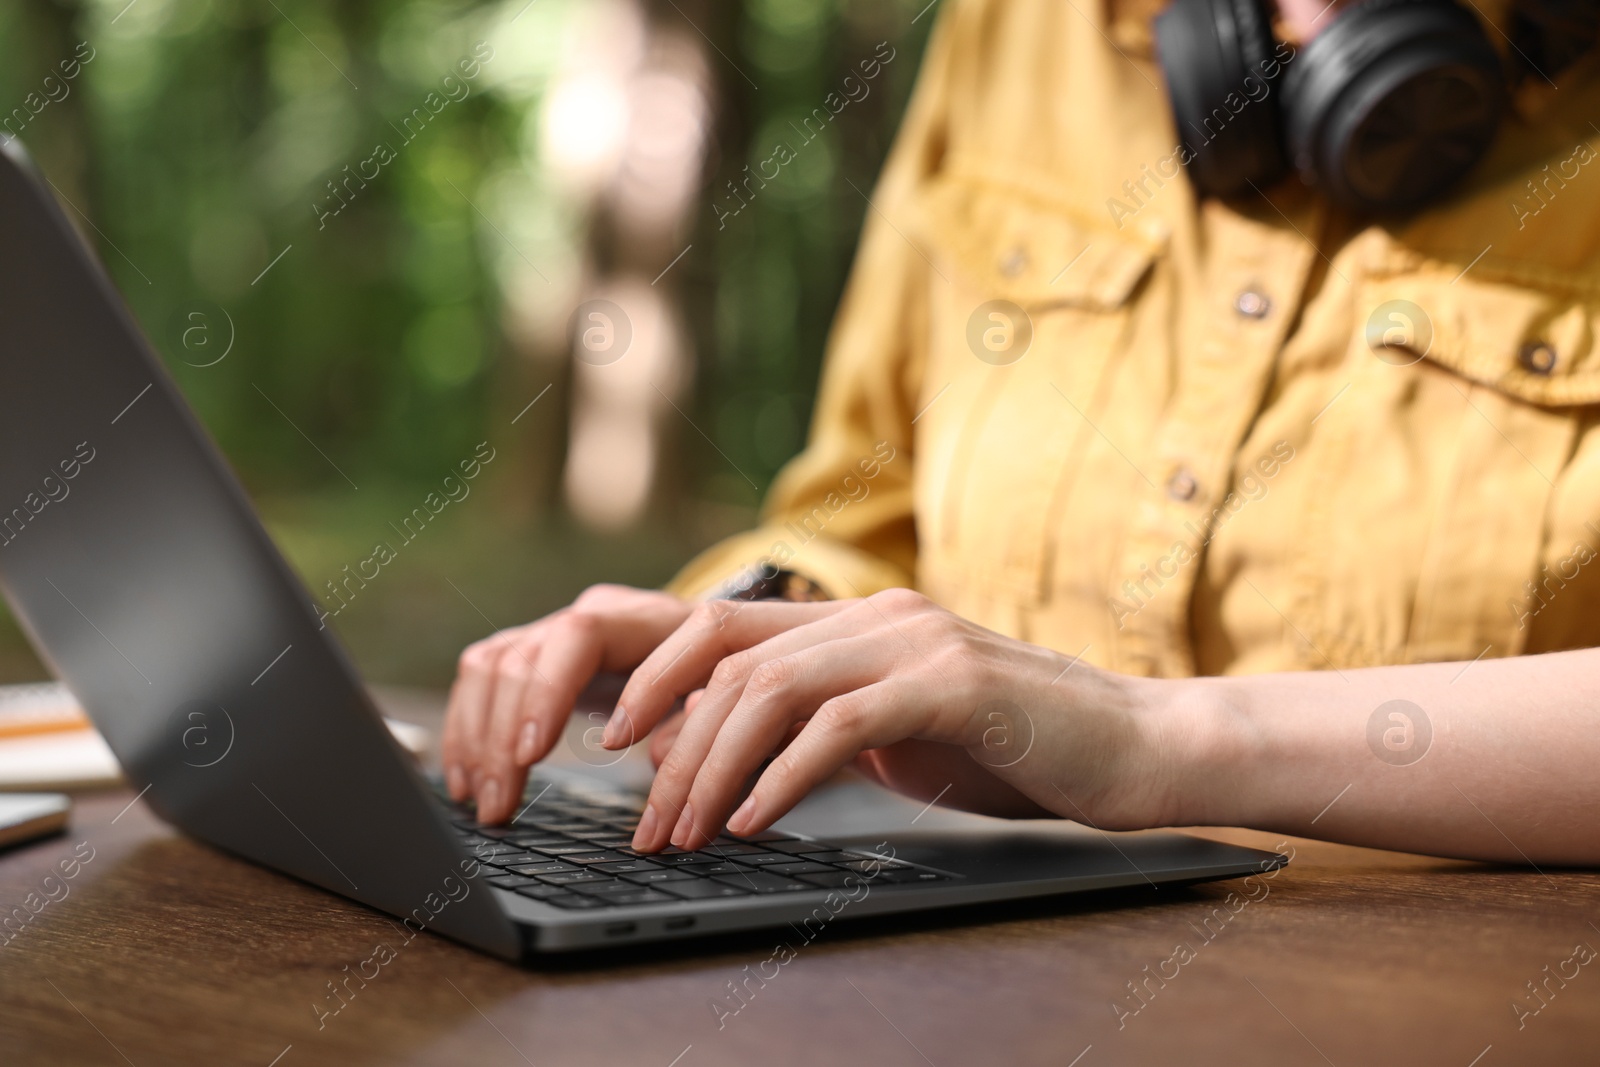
[{"x": 915, "y": 688}]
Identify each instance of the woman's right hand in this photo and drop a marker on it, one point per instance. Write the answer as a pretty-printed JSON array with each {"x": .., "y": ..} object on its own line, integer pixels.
[
  {"x": 514, "y": 689},
  {"x": 921, "y": 770}
]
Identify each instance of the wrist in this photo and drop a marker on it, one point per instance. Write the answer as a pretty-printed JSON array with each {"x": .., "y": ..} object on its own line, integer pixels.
[{"x": 1202, "y": 743}]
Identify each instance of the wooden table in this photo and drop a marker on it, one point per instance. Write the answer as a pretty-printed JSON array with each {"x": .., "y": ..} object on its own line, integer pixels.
[{"x": 164, "y": 951}]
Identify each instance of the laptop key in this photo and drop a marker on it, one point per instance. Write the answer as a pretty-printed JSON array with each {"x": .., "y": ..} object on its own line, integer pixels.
[
  {"x": 761, "y": 859},
  {"x": 684, "y": 859},
  {"x": 735, "y": 848},
  {"x": 574, "y": 901},
  {"x": 874, "y": 867},
  {"x": 485, "y": 850},
  {"x": 545, "y": 867},
  {"x": 670, "y": 850},
  {"x": 540, "y": 891},
  {"x": 832, "y": 879},
  {"x": 495, "y": 832},
  {"x": 762, "y": 882},
  {"x": 799, "y": 846},
  {"x": 638, "y": 896},
  {"x": 702, "y": 889},
  {"x": 798, "y": 867},
  {"x": 709, "y": 870},
  {"x": 603, "y": 856},
  {"x": 513, "y": 881},
  {"x": 630, "y": 866},
  {"x": 658, "y": 874},
  {"x": 567, "y": 850},
  {"x": 573, "y": 877},
  {"x": 839, "y": 856},
  {"x": 609, "y": 840},
  {"x": 606, "y": 889},
  {"x": 555, "y": 829},
  {"x": 537, "y": 839},
  {"x": 767, "y": 835},
  {"x": 518, "y": 860},
  {"x": 585, "y": 815},
  {"x": 470, "y": 837}
]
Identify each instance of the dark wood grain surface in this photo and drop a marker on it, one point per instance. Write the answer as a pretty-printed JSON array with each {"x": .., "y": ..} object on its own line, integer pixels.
[{"x": 164, "y": 951}]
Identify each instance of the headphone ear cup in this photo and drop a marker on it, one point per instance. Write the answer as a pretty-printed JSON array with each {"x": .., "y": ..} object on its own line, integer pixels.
[
  {"x": 1393, "y": 103},
  {"x": 1214, "y": 54}
]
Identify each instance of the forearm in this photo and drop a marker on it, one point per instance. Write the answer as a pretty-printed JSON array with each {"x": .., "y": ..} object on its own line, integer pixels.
[{"x": 1511, "y": 771}]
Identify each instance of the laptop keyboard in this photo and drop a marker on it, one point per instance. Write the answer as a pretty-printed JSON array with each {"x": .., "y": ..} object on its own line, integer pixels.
[{"x": 572, "y": 850}]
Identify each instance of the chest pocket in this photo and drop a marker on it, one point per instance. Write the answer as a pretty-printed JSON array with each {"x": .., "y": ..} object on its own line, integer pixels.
[
  {"x": 1031, "y": 306},
  {"x": 1469, "y": 394}
]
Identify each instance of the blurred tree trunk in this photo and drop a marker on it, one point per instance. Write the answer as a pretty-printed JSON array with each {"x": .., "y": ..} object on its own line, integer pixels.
[{"x": 58, "y": 138}]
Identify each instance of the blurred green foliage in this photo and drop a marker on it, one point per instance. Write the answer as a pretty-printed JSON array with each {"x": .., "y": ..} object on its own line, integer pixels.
[{"x": 369, "y": 348}]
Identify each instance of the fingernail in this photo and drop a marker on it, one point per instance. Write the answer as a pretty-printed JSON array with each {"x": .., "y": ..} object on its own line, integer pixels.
[
  {"x": 456, "y": 782},
  {"x": 613, "y": 733},
  {"x": 645, "y": 832},
  {"x": 685, "y": 828},
  {"x": 488, "y": 797},
  {"x": 527, "y": 742},
  {"x": 744, "y": 816}
]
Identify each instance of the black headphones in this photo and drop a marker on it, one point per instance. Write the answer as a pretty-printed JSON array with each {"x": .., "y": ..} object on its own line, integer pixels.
[{"x": 1383, "y": 110}]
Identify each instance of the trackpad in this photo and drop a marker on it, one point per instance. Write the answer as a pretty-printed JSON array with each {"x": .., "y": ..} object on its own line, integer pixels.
[
  {"x": 863, "y": 815},
  {"x": 1049, "y": 851}
]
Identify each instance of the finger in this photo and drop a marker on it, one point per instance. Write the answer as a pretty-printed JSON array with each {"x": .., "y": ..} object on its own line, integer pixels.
[
  {"x": 502, "y": 770},
  {"x": 643, "y": 617},
  {"x": 713, "y": 766},
  {"x": 635, "y": 621},
  {"x": 664, "y": 811},
  {"x": 470, "y": 699},
  {"x": 663, "y": 738},
  {"x": 854, "y": 619},
  {"x": 452, "y": 753},
  {"x": 876, "y": 715},
  {"x": 569, "y": 654},
  {"x": 664, "y": 735},
  {"x": 455, "y": 777},
  {"x": 685, "y": 660},
  {"x": 767, "y": 703}
]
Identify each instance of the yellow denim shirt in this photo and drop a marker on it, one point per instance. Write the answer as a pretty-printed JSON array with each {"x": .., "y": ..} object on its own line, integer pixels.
[{"x": 1071, "y": 402}]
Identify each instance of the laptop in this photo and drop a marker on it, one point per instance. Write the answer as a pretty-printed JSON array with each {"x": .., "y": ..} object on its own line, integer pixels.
[{"x": 133, "y": 558}]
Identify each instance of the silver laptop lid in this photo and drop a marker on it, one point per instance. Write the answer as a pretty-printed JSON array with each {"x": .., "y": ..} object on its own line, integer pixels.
[{"x": 134, "y": 560}]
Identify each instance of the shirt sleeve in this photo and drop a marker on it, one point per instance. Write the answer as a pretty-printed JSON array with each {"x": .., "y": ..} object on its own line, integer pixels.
[{"x": 840, "y": 513}]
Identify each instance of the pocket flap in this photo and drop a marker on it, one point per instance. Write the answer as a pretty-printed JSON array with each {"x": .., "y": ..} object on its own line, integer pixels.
[
  {"x": 1016, "y": 247},
  {"x": 1534, "y": 343}
]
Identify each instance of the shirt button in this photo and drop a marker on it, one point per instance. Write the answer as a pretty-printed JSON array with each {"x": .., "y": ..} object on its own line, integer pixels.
[
  {"x": 1156, "y": 231},
  {"x": 1014, "y": 262},
  {"x": 1183, "y": 485},
  {"x": 1253, "y": 304},
  {"x": 1537, "y": 358}
]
